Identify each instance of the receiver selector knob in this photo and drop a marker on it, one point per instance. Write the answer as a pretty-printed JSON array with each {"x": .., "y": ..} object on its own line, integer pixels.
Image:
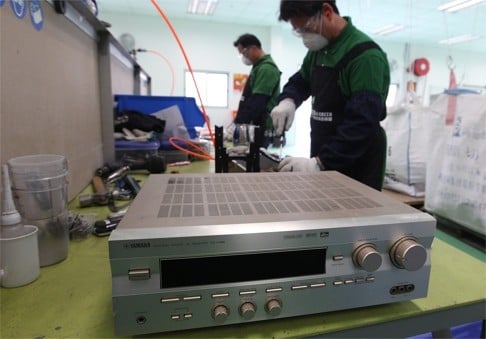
[
  {"x": 273, "y": 307},
  {"x": 247, "y": 310},
  {"x": 220, "y": 313},
  {"x": 367, "y": 257},
  {"x": 407, "y": 253}
]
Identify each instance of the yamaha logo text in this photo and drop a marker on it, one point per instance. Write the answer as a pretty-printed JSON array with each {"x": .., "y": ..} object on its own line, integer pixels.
[{"x": 138, "y": 245}]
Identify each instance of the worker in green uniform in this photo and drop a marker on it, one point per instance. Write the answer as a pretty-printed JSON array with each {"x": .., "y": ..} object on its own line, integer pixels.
[
  {"x": 261, "y": 89},
  {"x": 347, "y": 75}
]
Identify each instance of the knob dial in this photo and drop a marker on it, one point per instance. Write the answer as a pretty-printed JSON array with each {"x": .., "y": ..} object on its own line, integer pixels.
[
  {"x": 407, "y": 253},
  {"x": 367, "y": 257},
  {"x": 247, "y": 310},
  {"x": 273, "y": 307},
  {"x": 220, "y": 313}
]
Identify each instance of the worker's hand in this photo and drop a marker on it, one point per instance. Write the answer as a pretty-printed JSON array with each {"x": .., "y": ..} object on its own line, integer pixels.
[
  {"x": 283, "y": 115},
  {"x": 296, "y": 164}
]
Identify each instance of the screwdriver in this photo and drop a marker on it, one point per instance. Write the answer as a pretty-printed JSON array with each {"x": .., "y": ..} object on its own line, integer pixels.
[{"x": 282, "y": 139}]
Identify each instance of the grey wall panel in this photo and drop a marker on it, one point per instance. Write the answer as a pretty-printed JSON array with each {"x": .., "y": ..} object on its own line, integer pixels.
[{"x": 50, "y": 96}]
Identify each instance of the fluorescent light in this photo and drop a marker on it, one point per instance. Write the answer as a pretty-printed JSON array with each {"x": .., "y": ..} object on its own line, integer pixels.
[
  {"x": 456, "y": 5},
  {"x": 389, "y": 29},
  {"x": 460, "y": 38},
  {"x": 202, "y": 7}
]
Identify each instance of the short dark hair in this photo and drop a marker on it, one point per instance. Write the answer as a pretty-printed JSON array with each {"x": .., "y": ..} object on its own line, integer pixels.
[
  {"x": 247, "y": 40},
  {"x": 303, "y": 8}
]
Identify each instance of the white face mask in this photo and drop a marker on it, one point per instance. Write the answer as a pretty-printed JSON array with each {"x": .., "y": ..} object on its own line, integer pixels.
[
  {"x": 246, "y": 61},
  {"x": 314, "y": 41}
]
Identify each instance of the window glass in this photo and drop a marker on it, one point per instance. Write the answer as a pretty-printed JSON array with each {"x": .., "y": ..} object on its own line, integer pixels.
[{"x": 213, "y": 87}]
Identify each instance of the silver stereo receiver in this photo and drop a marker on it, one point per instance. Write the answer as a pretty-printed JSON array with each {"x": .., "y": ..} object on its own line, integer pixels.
[{"x": 214, "y": 249}]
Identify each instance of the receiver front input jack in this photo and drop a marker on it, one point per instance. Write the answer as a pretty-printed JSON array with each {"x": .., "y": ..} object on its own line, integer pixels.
[
  {"x": 402, "y": 289},
  {"x": 141, "y": 320}
]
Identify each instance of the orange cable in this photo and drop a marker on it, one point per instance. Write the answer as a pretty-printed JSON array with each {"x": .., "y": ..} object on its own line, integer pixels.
[
  {"x": 169, "y": 64},
  {"x": 198, "y": 152},
  {"x": 172, "y": 29}
]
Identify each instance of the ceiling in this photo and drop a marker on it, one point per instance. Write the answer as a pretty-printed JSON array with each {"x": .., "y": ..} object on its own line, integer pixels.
[{"x": 424, "y": 23}]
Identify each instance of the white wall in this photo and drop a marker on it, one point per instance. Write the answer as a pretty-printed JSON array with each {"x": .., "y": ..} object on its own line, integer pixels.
[{"x": 210, "y": 47}]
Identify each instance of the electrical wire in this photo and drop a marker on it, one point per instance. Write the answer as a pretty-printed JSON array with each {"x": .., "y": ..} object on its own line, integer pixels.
[
  {"x": 186, "y": 59},
  {"x": 171, "y": 68},
  {"x": 197, "y": 151}
]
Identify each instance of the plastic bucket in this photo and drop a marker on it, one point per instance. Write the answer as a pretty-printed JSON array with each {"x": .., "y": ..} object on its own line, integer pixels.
[
  {"x": 39, "y": 189},
  {"x": 53, "y": 238},
  {"x": 41, "y": 204},
  {"x": 38, "y": 172},
  {"x": 19, "y": 258}
]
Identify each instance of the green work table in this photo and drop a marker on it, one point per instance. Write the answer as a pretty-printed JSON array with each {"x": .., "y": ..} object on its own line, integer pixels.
[{"x": 72, "y": 299}]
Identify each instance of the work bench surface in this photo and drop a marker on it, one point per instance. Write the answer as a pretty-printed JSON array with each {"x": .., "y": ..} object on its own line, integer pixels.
[{"x": 72, "y": 299}]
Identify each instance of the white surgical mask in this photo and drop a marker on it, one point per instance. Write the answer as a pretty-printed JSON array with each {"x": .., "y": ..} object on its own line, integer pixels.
[
  {"x": 314, "y": 41},
  {"x": 246, "y": 61}
]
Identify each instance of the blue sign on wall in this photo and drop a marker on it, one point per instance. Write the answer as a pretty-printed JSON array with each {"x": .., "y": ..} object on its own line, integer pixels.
[
  {"x": 36, "y": 14},
  {"x": 1, "y": 2},
  {"x": 19, "y": 8}
]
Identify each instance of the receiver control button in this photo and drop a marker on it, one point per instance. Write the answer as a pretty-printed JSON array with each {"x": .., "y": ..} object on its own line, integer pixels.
[
  {"x": 170, "y": 300},
  {"x": 248, "y": 292},
  {"x": 220, "y": 313},
  {"x": 247, "y": 310},
  {"x": 192, "y": 298},
  {"x": 273, "y": 307},
  {"x": 407, "y": 253},
  {"x": 367, "y": 257},
  {"x": 274, "y": 290},
  {"x": 139, "y": 274},
  {"x": 317, "y": 285}
]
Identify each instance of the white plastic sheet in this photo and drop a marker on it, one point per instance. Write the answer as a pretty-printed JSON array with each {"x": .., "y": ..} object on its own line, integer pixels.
[
  {"x": 405, "y": 127},
  {"x": 456, "y": 161},
  {"x": 174, "y": 123}
]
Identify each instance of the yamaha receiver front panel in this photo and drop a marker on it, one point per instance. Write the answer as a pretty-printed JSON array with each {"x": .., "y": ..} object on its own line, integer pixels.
[{"x": 214, "y": 249}]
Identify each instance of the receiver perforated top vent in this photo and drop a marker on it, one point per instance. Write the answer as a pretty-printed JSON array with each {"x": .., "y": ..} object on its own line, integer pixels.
[{"x": 265, "y": 194}]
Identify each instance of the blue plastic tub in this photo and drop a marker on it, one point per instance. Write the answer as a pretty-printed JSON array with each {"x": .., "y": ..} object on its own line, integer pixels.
[
  {"x": 466, "y": 331},
  {"x": 191, "y": 113}
]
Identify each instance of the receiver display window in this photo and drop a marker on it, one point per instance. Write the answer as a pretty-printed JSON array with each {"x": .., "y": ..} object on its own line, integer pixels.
[{"x": 243, "y": 267}]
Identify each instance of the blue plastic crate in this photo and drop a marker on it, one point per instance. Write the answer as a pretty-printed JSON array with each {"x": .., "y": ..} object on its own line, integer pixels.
[
  {"x": 466, "y": 331},
  {"x": 191, "y": 113}
]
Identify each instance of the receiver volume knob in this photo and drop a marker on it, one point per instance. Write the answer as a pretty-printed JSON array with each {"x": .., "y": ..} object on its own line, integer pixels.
[
  {"x": 247, "y": 310},
  {"x": 408, "y": 254},
  {"x": 367, "y": 257},
  {"x": 273, "y": 307},
  {"x": 220, "y": 313}
]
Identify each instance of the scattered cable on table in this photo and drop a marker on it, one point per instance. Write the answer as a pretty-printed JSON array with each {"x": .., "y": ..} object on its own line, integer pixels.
[{"x": 196, "y": 151}]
